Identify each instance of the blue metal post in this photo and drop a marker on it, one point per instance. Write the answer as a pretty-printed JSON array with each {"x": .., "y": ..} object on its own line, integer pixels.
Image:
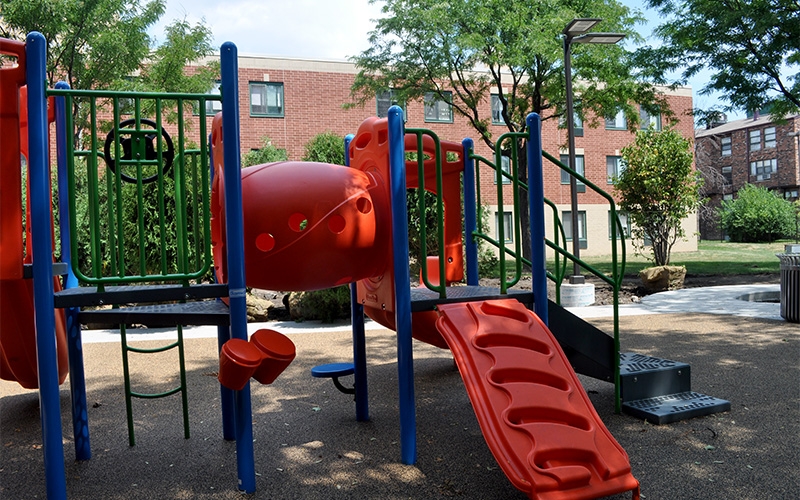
[
  {"x": 359, "y": 336},
  {"x": 77, "y": 378},
  {"x": 470, "y": 213},
  {"x": 536, "y": 210},
  {"x": 234, "y": 226},
  {"x": 402, "y": 284},
  {"x": 44, "y": 310},
  {"x": 226, "y": 396}
]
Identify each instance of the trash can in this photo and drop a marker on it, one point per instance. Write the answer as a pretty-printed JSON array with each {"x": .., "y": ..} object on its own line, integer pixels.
[{"x": 790, "y": 283}]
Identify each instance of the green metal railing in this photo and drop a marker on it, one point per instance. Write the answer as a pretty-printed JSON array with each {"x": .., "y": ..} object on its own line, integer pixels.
[{"x": 133, "y": 217}]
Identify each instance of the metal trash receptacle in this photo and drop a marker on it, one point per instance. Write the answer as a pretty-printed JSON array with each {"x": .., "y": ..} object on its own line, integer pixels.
[{"x": 790, "y": 283}]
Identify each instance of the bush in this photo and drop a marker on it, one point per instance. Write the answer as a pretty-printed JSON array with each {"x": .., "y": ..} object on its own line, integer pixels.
[
  {"x": 757, "y": 216},
  {"x": 267, "y": 154},
  {"x": 326, "y": 305},
  {"x": 326, "y": 147}
]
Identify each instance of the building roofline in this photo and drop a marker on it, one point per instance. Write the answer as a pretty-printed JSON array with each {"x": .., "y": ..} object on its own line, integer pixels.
[{"x": 740, "y": 124}]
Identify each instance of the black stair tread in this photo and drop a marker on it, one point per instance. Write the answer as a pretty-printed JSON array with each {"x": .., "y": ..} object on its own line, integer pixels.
[
  {"x": 424, "y": 299},
  {"x": 124, "y": 294},
  {"x": 190, "y": 313},
  {"x": 673, "y": 407},
  {"x": 634, "y": 363}
]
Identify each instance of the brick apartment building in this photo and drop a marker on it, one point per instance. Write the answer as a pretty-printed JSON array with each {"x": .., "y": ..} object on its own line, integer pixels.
[
  {"x": 292, "y": 100},
  {"x": 756, "y": 150}
]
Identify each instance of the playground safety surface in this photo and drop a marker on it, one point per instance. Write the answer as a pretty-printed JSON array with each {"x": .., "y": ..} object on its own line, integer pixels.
[{"x": 308, "y": 444}]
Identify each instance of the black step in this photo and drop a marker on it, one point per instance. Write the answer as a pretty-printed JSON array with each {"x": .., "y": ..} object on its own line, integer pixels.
[
  {"x": 90, "y": 296},
  {"x": 643, "y": 377},
  {"x": 191, "y": 313},
  {"x": 673, "y": 407},
  {"x": 423, "y": 299},
  {"x": 589, "y": 350}
]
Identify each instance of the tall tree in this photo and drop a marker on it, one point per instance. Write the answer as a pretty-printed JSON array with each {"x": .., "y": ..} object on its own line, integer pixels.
[
  {"x": 463, "y": 50},
  {"x": 751, "y": 47}
]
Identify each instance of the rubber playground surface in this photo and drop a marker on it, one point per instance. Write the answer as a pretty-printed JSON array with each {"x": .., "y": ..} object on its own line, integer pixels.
[{"x": 308, "y": 444}]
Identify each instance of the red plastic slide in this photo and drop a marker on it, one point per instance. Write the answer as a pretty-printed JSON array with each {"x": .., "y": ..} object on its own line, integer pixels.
[{"x": 534, "y": 414}]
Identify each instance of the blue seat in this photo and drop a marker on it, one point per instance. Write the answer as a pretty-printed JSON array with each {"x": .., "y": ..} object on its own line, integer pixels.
[{"x": 334, "y": 371}]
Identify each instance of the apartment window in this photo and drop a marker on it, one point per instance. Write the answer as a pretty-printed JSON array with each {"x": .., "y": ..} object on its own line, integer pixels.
[
  {"x": 505, "y": 167},
  {"x": 763, "y": 169},
  {"x": 648, "y": 121},
  {"x": 617, "y": 122},
  {"x": 727, "y": 176},
  {"x": 624, "y": 223},
  {"x": 614, "y": 168},
  {"x": 755, "y": 140},
  {"x": 790, "y": 194},
  {"x": 507, "y": 225},
  {"x": 576, "y": 120},
  {"x": 566, "y": 220},
  {"x": 497, "y": 110},
  {"x": 579, "y": 167},
  {"x": 266, "y": 99},
  {"x": 727, "y": 197},
  {"x": 384, "y": 100},
  {"x": 437, "y": 109},
  {"x": 769, "y": 137},
  {"x": 725, "y": 144},
  {"x": 213, "y": 107}
]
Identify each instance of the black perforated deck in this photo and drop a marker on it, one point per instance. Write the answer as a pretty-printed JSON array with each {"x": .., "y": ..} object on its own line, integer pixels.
[
  {"x": 423, "y": 299},
  {"x": 191, "y": 313}
]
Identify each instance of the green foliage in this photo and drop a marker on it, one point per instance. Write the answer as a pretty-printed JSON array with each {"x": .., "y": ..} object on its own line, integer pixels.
[
  {"x": 326, "y": 305},
  {"x": 422, "y": 46},
  {"x": 267, "y": 154},
  {"x": 658, "y": 188},
  {"x": 757, "y": 215},
  {"x": 416, "y": 220},
  {"x": 749, "y": 46},
  {"x": 326, "y": 147}
]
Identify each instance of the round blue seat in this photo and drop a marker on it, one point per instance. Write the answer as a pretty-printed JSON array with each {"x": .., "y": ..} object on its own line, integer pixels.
[{"x": 333, "y": 370}]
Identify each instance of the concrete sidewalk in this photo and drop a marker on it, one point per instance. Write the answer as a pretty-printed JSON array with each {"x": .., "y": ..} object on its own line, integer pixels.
[{"x": 308, "y": 444}]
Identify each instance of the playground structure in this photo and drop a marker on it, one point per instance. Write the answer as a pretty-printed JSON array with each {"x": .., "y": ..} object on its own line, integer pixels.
[{"x": 534, "y": 414}]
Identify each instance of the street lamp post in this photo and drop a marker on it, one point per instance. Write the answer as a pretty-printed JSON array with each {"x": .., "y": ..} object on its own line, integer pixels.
[{"x": 576, "y": 32}]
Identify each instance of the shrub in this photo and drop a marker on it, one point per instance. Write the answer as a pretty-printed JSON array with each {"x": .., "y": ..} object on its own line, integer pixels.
[
  {"x": 757, "y": 215},
  {"x": 267, "y": 154},
  {"x": 326, "y": 305},
  {"x": 326, "y": 147}
]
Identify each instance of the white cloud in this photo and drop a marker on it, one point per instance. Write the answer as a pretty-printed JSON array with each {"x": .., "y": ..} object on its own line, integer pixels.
[{"x": 332, "y": 29}]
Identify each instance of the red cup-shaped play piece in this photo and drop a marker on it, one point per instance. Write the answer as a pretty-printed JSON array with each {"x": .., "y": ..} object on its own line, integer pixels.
[
  {"x": 238, "y": 360},
  {"x": 278, "y": 352}
]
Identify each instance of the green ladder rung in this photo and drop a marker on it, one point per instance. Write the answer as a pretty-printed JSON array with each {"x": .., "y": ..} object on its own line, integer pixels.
[{"x": 129, "y": 394}]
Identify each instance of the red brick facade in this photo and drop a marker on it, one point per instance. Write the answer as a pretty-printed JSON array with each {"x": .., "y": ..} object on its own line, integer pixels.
[
  {"x": 314, "y": 93},
  {"x": 771, "y": 140}
]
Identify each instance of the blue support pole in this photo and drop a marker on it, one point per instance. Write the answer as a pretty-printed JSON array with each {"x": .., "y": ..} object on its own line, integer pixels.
[
  {"x": 44, "y": 310},
  {"x": 234, "y": 226},
  {"x": 77, "y": 378},
  {"x": 536, "y": 210},
  {"x": 402, "y": 284},
  {"x": 226, "y": 396},
  {"x": 470, "y": 213},
  {"x": 359, "y": 336}
]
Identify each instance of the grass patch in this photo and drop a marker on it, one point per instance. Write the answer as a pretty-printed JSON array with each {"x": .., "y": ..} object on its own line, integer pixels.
[{"x": 711, "y": 258}]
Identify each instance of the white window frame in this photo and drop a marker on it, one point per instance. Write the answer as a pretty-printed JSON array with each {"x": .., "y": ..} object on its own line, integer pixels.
[
  {"x": 727, "y": 176},
  {"x": 770, "y": 137},
  {"x": 580, "y": 167},
  {"x": 497, "y": 110},
  {"x": 614, "y": 168},
  {"x": 617, "y": 122},
  {"x": 725, "y": 146},
  {"x": 755, "y": 140},
  {"x": 625, "y": 222},
  {"x": 648, "y": 121},
  {"x": 762, "y": 170},
  {"x": 566, "y": 220}
]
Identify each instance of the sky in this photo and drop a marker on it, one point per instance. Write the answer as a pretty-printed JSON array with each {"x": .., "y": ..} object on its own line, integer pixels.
[{"x": 323, "y": 29}]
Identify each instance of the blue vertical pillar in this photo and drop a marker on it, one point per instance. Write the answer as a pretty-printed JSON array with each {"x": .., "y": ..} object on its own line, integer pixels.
[
  {"x": 44, "y": 311},
  {"x": 470, "y": 212},
  {"x": 536, "y": 211},
  {"x": 359, "y": 336},
  {"x": 77, "y": 378},
  {"x": 402, "y": 314},
  {"x": 234, "y": 226}
]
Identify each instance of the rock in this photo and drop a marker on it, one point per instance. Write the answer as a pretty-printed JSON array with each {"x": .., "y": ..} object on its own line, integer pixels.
[
  {"x": 661, "y": 278},
  {"x": 258, "y": 308}
]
